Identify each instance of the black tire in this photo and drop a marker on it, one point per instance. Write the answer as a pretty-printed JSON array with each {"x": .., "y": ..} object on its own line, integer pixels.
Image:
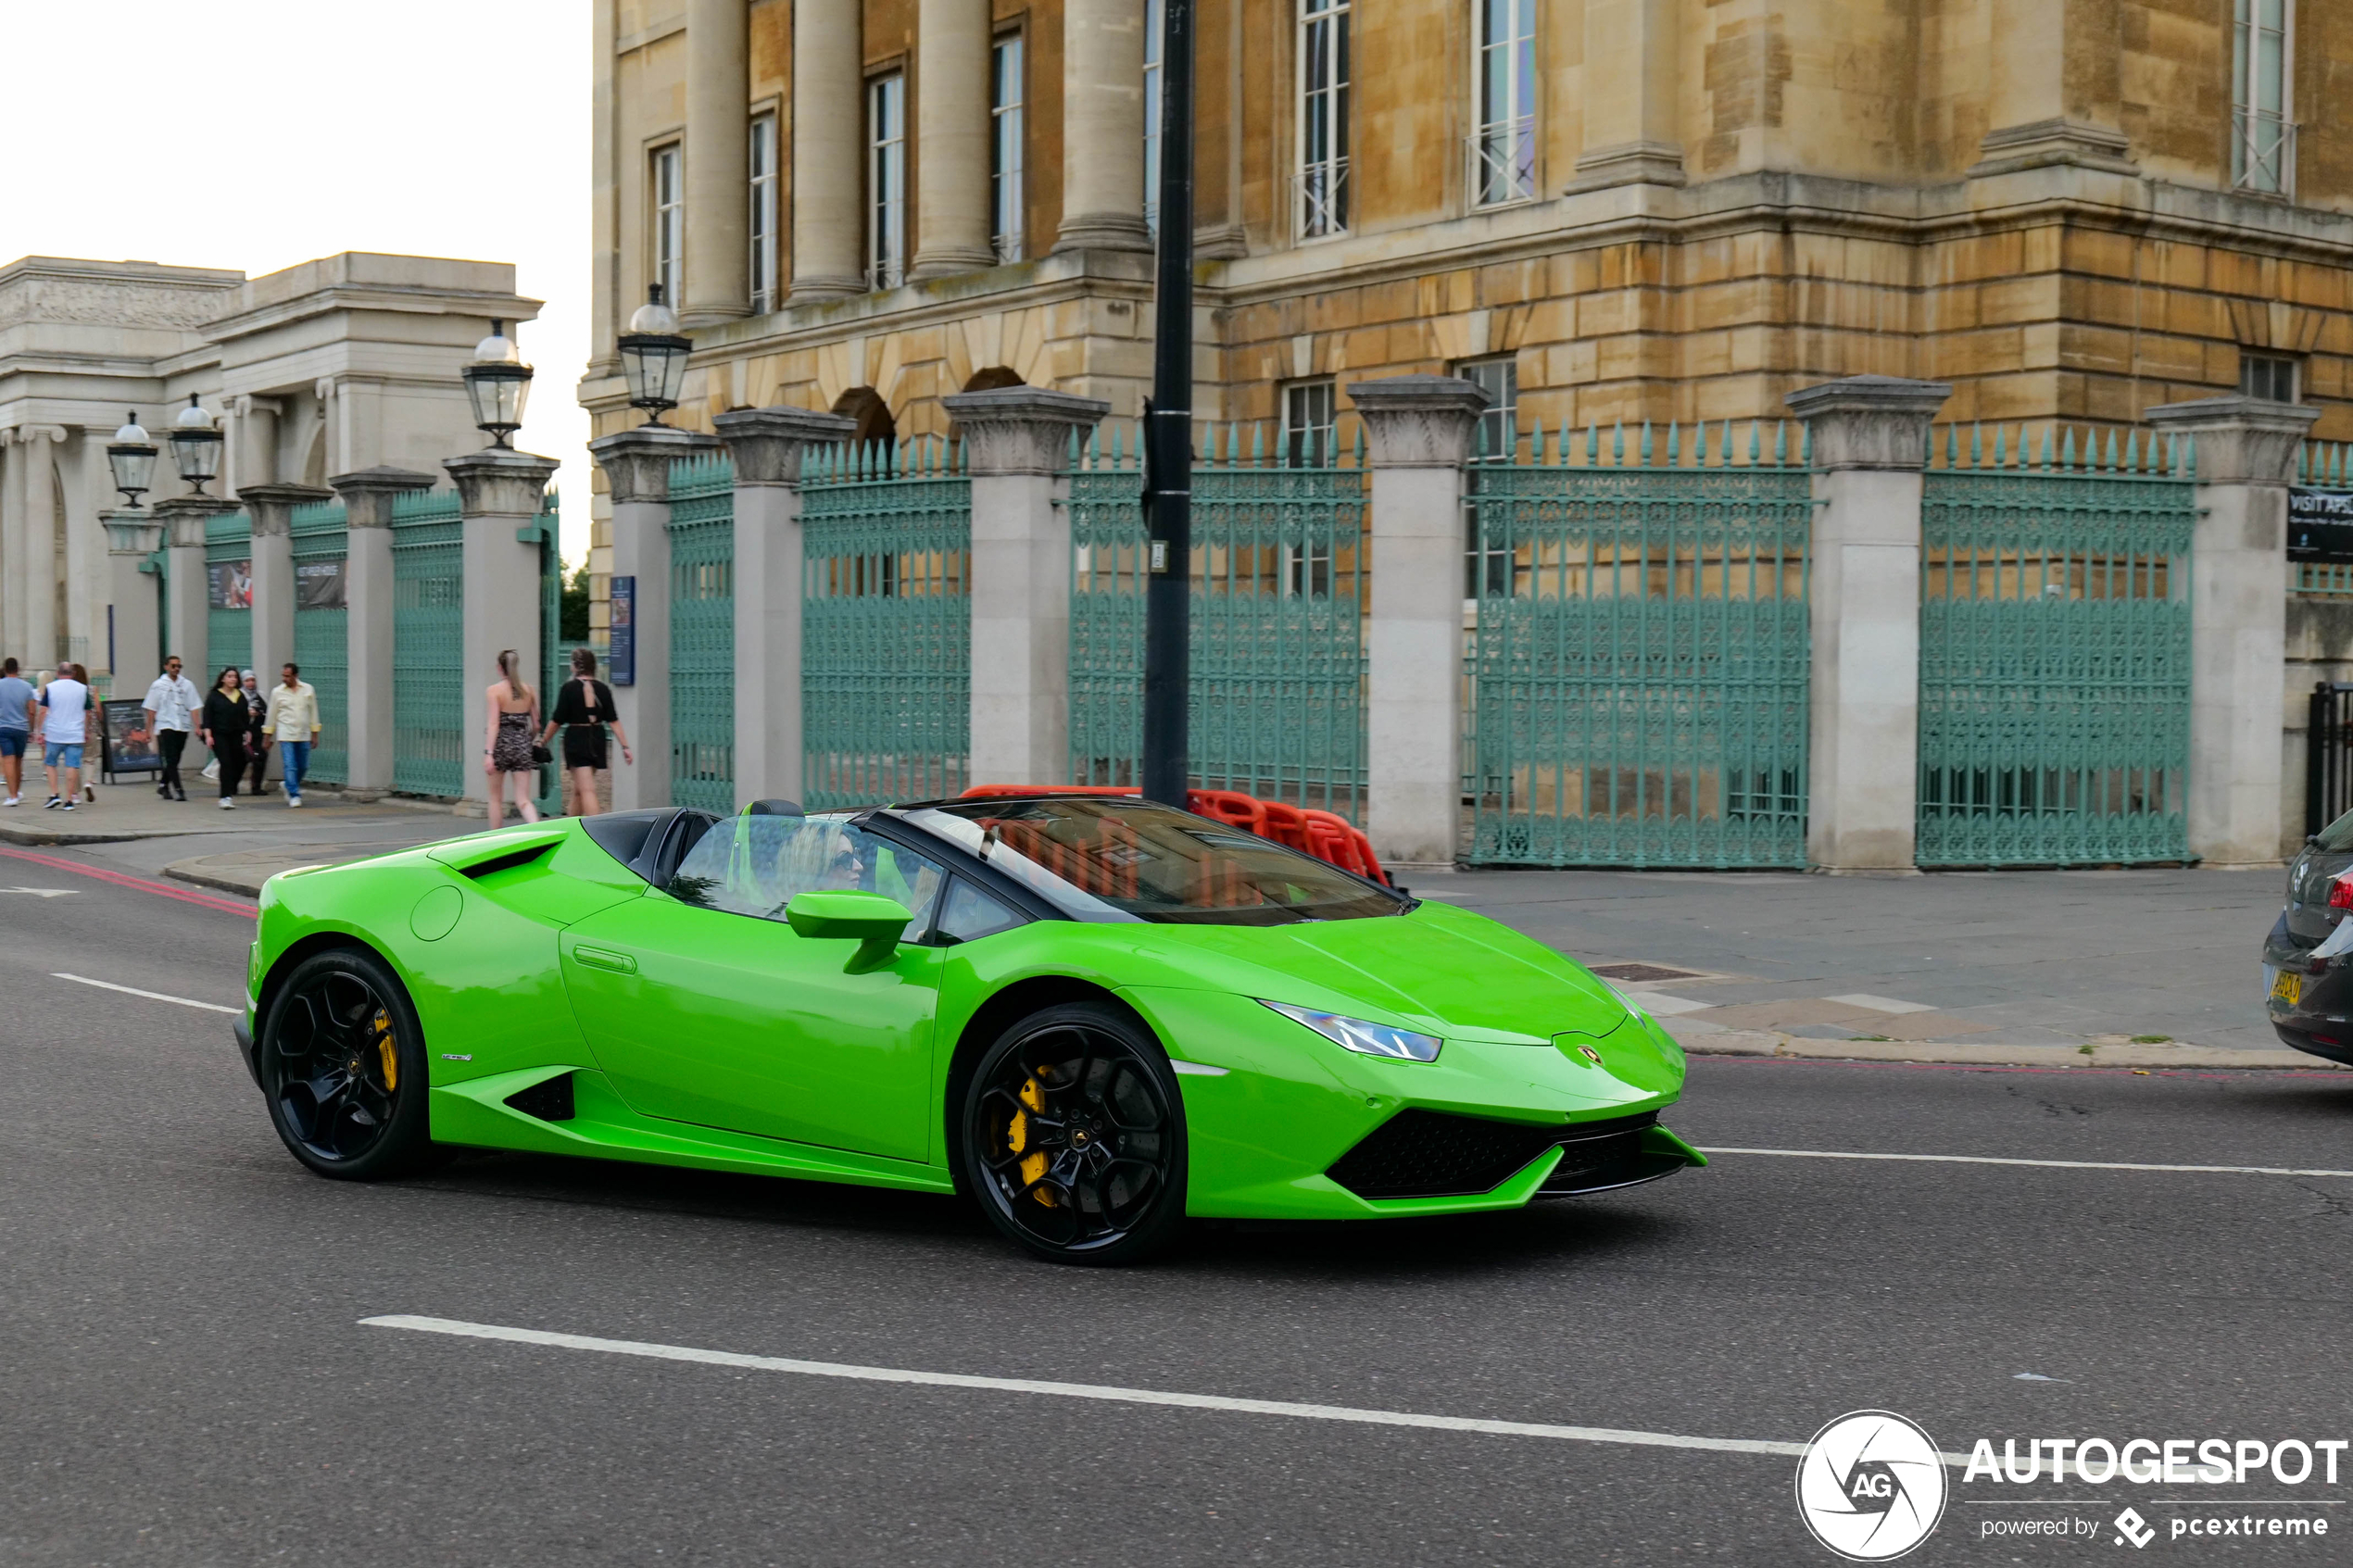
[
  {"x": 1074, "y": 1136},
  {"x": 342, "y": 1069}
]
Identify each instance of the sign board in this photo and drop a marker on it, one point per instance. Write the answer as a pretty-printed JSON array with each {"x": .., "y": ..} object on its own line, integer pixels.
[
  {"x": 122, "y": 719},
  {"x": 319, "y": 584},
  {"x": 229, "y": 584},
  {"x": 620, "y": 655},
  {"x": 2320, "y": 525}
]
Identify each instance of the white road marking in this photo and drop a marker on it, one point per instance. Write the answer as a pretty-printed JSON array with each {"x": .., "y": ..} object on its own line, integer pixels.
[
  {"x": 2050, "y": 1164},
  {"x": 1089, "y": 1390},
  {"x": 42, "y": 892},
  {"x": 151, "y": 996},
  {"x": 1880, "y": 1004},
  {"x": 1658, "y": 1003}
]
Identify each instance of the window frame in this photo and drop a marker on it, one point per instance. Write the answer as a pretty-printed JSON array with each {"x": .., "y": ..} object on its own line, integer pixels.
[
  {"x": 1518, "y": 127},
  {"x": 1321, "y": 118},
  {"x": 1008, "y": 148},
  {"x": 1488, "y": 573},
  {"x": 764, "y": 229},
  {"x": 885, "y": 166},
  {"x": 666, "y": 219},
  {"x": 2290, "y": 365},
  {"x": 2255, "y": 167}
]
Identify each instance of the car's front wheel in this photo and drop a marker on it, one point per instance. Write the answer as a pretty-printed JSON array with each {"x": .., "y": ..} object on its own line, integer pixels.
[
  {"x": 343, "y": 1067},
  {"x": 1074, "y": 1136}
]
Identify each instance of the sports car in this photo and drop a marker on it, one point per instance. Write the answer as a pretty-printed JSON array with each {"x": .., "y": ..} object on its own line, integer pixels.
[{"x": 1096, "y": 1016}]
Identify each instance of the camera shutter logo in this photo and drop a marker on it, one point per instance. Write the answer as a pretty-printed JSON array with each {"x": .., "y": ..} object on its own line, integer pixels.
[{"x": 1870, "y": 1485}]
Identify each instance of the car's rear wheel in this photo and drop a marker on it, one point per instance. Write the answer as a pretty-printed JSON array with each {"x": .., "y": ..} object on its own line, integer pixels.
[
  {"x": 1074, "y": 1136},
  {"x": 343, "y": 1067}
]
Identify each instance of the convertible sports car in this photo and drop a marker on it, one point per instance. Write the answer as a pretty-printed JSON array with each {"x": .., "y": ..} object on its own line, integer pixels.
[{"x": 1094, "y": 1015}]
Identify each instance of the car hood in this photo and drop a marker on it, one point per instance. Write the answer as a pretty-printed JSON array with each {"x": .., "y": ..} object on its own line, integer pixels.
[{"x": 1441, "y": 969}]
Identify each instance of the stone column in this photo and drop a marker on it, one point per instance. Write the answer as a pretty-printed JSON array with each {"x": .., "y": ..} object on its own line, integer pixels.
[
  {"x": 636, "y": 464},
  {"x": 766, "y": 445},
  {"x": 2245, "y": 459},
  {"x": 952, "y": 138},
  {"x": 718, "y": 265},
  {"x": 271, "y": 509},
  {"x": 44, "y": 567},
  {"x": 1871, "y": 447},
  {"x": 1104, "y": 127},
  {"x": 367, "y": 497},
  {"x": 13, "y": 544},
  {"x": 2054, "y": 95},
  {"x": 1017, "y": 446},
  {"x": 1631, "y": 88},
  {"x": 1418, "y": 433},
  {"x": 133, "y": 534},
  {"x": 828, "y": 145},
  {"x": 499, "y": 494},
  {"x": 253, "y": 442},
  {"x": 186, "y": 599}
]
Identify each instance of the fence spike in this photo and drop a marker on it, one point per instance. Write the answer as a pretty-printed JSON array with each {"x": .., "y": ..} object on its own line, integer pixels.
[
  {"x": 1699, "y": 444},
  {"x": 1618, "y": 447},
  {"x": 2066, "y": 450},
  {"x": 2337, "y": 464},
  {"x": 1780, "y": 444},
  {"x": 1592, "y": 443},
  {"x": 1755, "y": 438},
  {"x": 2111, "y": 449},
  {"x": 1674, "y": 445},
  {"x": 1805, "y": 446},
  {"x": 2132, "y": 451},
  {"x": 1650, "y": 447}
]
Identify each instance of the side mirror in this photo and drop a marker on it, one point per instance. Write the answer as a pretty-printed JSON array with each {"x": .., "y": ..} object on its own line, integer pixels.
[{"x": 870, "y": 919}]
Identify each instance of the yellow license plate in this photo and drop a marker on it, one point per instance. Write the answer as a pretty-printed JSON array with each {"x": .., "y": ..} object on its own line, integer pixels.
[{"x": 2288, "y": 988}]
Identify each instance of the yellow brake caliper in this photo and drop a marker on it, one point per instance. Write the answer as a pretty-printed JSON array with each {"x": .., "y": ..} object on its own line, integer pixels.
[
  {"x": 1017, "y": 1138},
  {"x": 382, "y": 1024}
]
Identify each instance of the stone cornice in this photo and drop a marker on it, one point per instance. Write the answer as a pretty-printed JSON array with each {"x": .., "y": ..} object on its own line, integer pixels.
[
  {"x": 1021, "y": 429},
  {"x": 637, "y": 462},
  {"x": 499, "y": 482},
  {"x": 767, "y": 444},
  {"x": 272, "y": 505},
  {"x": 2240, "y": 440},
  {"x": 1870, "y": 422},
  {"x": 369, "y": 493},
  {"x": 1418, "y": 421}
]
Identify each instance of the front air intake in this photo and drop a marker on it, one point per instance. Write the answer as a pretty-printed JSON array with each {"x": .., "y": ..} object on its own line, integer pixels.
[{"x": 1432, "y": 1154}]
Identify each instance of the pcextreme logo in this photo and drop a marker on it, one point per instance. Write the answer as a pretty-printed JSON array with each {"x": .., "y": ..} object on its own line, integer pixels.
[{"x": 1870, "y": 1485}]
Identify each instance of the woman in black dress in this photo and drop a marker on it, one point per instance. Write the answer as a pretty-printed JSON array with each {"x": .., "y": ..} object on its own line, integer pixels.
[
  {"x": 225, "y": 721},
  {"x": 583, "y": 710}
]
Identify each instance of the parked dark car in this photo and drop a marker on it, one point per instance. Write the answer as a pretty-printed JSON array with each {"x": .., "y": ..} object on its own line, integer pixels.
[{"x": 2308, "y": 958}]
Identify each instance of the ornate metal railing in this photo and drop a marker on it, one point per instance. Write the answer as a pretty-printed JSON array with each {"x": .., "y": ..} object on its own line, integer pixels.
[
  {"x": 228, "y": 560},
  {"x": 428, "y": 644},
  {"x": 321, "y": 633},
  {"x": 702, "y": 633}
]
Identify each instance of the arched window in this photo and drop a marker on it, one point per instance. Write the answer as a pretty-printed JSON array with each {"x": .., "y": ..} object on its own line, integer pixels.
[{"x": 874, "y": 424}]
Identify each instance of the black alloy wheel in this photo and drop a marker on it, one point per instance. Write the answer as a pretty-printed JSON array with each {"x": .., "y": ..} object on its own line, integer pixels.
[
  {"x": 1074, "y": 1137},
  {"x": 342, "y": 1067}
]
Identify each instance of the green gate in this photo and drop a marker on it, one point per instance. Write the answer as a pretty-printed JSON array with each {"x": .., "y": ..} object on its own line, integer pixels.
[
  {"x": 228, "y": 558},
  {"x": 1638, "y": 677},
  {"x": 1280, "y": 588},
  {"x": 702, "y": 633},
  {"x": 321, "y": 640},
  {"x": 887, "y": 623},
  {"x": 428, "y": 644},
  {"x": 2055, "y": 652}
]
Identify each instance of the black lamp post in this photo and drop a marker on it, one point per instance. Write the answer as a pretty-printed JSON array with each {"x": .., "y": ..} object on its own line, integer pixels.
[
  {"x": 195, "y": 445},
  {"x": 133, "y": 458},
  {"x": 498, "y": 384},
  {"x": 1168, "y": 431},
  {"x": 653, "y": 356}
]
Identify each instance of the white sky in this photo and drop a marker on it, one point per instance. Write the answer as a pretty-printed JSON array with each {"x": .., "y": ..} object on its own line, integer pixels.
[{"x": 260, "y": 133}]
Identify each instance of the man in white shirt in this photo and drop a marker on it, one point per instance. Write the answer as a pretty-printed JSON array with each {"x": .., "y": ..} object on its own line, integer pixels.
[
  {"x": 64, "y": 706},
  {"x": 293, "y": 723},
  {"x": 172, "y": 705}
]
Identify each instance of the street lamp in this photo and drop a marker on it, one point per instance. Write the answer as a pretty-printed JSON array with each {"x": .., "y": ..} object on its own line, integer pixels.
[
  {"x": 498, "y": 384},
  {"x": 653, "y": 356},
  {"x": 133, "y": 458},
  {"x": 195, "y": 445}
]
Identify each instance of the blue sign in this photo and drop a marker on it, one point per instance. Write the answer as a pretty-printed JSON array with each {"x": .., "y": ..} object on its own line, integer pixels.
[{"x": 620, "y": 653}]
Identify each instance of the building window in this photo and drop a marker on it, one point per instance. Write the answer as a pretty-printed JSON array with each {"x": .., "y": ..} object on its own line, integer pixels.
[
  {"x": 764, "y": 214},
  {"x": 1489, "y": 570},
  {"x": 1323, "y": 118},
  {"x": 886, "y": 182},
  {"x": 1006, "y": 217},
  {"x": 1308, "y": 421},
  {"x": 2268, "y": 376},
  {"x": 2263, "y": 69},
  {"x": 1155, "y": 24},
  {"x": 1504, "y": 148},
  {"x": 670, "y": 223}
]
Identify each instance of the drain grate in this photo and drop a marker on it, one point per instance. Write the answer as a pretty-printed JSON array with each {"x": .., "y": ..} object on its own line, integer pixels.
[{"x": 1641, "y": 972}]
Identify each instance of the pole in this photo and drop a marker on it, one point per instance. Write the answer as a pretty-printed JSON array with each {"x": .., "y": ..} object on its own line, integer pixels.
[{"x": 1168, "y": 422}]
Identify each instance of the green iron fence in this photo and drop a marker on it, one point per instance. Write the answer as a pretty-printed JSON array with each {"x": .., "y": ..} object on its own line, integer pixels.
[
  {"x": 321, "y": 628},
  {"x": 2324, "y": 465},
  {"x": 228, "y": 558},
  {"x": 2055, "y": 644},
  {"x": 428, "y": 641},
  {"x": 702, "y": 633},
  {"x": 1280, "y": 587},
  {"x": 1638, "y": 673}
]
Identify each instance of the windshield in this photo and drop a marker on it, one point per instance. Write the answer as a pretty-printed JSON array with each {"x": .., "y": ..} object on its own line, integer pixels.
[{"x": 1101, "y": 856}]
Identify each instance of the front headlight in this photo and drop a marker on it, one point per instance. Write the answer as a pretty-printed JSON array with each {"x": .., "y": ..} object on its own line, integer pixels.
[{"x": 1364, "y": 1038}]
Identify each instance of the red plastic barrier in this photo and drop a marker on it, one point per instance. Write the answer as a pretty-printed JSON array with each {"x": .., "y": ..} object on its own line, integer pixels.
[{"x": 1325, "y": 835}]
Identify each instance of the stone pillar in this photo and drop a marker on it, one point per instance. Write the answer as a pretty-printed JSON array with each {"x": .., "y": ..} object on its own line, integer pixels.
[
  {"x": 1018, "y": 445},
  {"x": 2056, "y": 93},
  {"x": 186, "y": 599},
  {"x": 499, "y": 494},
  {"x": 828, "y": 145},
  {"x": 1418, "y": 433},
  {"x": 2245, "y": 459},
  {"x": 1870, "y": 436},
  {"x": 13, "y": 544},
  {"x": 767, "y": 445},
  {"x": 636, "y": 464},
  {"x": 1631, "y": 94},
  {"x": 718, "y": 265},
  {"x": 133, "y": 534},
  {"x": 253, "y": 449},
  {"x": 271, "y": 509},
  {"x": 952, "y": 138},
  {"x": 1104, "y": 127},
  {"x": 44, "y": 567},
  {"x": 367, "y": 497}
]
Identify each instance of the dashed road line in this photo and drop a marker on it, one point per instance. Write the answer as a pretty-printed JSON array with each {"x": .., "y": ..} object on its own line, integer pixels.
[
  {"x": 151, "y": 996},
  {"x": 2049, "y": 1164}
]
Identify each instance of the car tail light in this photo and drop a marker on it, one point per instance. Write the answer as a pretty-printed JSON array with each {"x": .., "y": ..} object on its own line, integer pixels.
[{"x": 2341, "y": 893}]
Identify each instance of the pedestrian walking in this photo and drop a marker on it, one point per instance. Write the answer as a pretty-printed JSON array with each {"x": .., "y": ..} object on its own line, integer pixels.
[
  {"x": 293, "y": 723},
  {"x": 509, "y": 752},
  {"x": 65, "y": 705},
  {"x": 172, "y": 703},
  {"x": 226, "y": 721},
  {"x": 257, "y": 734},
  {"x": 16, "y": 728},
  {"x": 584, "y": 708}
]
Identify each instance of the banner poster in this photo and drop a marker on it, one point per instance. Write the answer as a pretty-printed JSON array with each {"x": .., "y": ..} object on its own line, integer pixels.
[
  {"x": 124, "y": 719},
  {"x": 2320, "y": 525},
  {"x": 319, "y": 584},
  {"x": 229, "y": 585},
  {"x": 621, "y": 656}
]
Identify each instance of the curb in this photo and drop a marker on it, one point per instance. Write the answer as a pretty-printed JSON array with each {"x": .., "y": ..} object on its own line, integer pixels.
[
  {"x": 192, "y": 872},
  {"x": 1781, "y": 1046},
  {"x": 12, "y": 833}
]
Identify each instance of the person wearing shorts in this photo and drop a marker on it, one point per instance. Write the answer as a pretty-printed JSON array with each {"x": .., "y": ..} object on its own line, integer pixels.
[
  {"x": 16, "y": 727},
  {"x": 65, "y": 705},
  {"x": 584, "y": 708}
]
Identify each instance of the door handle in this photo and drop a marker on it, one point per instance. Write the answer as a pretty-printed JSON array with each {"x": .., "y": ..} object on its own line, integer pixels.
[{"x": 598, "y": 958}]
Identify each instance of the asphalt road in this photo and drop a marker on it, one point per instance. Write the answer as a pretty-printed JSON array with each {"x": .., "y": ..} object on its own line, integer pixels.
[{"x": 186, "y": 1377}]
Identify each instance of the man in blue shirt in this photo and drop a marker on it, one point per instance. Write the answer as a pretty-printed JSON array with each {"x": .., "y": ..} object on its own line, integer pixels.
[{"x": 16, "y": 727}]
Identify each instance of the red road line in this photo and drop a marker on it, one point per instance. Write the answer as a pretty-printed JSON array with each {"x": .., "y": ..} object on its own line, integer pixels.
[{"x": 138, "y": 884}]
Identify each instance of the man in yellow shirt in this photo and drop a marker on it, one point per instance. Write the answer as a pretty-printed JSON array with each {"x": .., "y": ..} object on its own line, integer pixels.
[{"x": 293, "y": 721}]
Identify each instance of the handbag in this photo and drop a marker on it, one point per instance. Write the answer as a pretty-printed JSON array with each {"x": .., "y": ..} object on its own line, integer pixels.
[{"x": 541, "y": 755}]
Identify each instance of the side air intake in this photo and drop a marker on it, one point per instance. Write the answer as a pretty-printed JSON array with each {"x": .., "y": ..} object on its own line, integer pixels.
[{"x": 549, "y": 1101}]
